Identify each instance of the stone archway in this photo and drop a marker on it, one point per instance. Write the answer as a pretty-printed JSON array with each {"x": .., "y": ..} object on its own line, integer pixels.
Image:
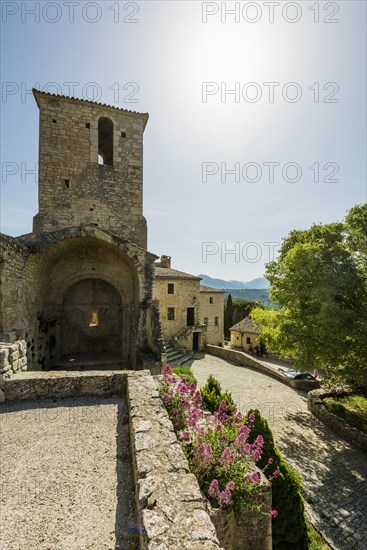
[{"x": 92, "y": 322}]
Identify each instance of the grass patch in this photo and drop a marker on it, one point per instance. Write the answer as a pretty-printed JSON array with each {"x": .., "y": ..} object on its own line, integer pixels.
[
  {"x": 352, "y": 409},
  {"x": 185, "y": 373},
  {"x": 315, "y": 540}
]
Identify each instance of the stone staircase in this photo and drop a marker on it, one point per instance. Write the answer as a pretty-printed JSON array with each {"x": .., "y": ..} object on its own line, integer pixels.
[{"x": 175, "y": 357}]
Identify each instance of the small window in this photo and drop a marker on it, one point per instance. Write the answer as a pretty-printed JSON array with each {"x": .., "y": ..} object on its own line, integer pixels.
[
  {"x": 210, "y": 299},
  {"x": 216, "y": 321},
  {"x": 248, "y": 340},
  {"x": 123, "y": 134},
  {"x": 237, "y": 338},
  {"x": 170, "y": 314},
  {"x": 54, "y": 120},
  {"x": 206, "y": 321},
  {"x": 105, "y": 141},
  {"x": 67, "y": 183},
  {"x": 170, "y": 288},
  {"x": 87, "y": 125}
]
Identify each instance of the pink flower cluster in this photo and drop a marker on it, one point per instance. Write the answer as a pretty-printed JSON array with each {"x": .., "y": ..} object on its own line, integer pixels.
[
  {"x": 224, "y": 497},
  {"x": 216, "y": 445}
]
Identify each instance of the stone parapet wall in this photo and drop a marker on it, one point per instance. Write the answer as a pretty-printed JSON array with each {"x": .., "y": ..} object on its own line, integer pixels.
[
  {"x": 13, "y": 358},
  {"x": 62, "y": 384},
  {"x": 337, "y": 424},
  {"x": 239, "y": 358},
  {"x": 169, "y": 502},
  {"x": 245, "y": 528}
]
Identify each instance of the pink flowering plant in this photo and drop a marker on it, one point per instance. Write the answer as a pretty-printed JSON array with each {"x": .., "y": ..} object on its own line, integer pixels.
[{"x": 216, "y": 445}]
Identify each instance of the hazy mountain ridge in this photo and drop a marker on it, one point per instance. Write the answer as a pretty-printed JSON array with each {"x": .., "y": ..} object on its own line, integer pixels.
[{"x": 260, "y": 283}]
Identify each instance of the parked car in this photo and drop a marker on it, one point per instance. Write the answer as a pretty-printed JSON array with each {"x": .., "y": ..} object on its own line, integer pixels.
[{"x": 294, "y": 375}]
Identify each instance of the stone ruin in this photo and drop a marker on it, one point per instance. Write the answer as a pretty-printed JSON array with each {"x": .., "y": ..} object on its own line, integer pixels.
[{"x": 78, "y": 289}]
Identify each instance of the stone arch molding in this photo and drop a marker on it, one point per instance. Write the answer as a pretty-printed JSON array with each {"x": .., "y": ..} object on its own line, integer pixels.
[{"x": 117, "y": 263}]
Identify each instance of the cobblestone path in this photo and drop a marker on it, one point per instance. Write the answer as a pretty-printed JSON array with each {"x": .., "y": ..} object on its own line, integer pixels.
[{"x": 334, "y": 474}]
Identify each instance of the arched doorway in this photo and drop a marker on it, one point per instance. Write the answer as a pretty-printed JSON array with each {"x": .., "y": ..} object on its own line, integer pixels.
[{"x": 92, "y": 322}]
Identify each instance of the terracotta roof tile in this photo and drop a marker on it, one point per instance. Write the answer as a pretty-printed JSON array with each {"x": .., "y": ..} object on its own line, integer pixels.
[{"x": 246, "y": 325}]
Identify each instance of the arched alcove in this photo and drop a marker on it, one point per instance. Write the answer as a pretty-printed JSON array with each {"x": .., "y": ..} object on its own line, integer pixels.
[{"x": 92, "y": 322}]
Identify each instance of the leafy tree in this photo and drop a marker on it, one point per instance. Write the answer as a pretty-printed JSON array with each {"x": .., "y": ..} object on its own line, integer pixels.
[{"x": 320, "y": 281}]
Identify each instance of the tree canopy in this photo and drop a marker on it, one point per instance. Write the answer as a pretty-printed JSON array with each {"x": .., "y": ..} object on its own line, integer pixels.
[
  {"x": 320, "y": 282},
  {"x": 236, "y": 310}
]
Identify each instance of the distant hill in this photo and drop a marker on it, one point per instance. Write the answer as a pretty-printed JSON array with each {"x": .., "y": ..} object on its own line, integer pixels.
[
  {"x": 257, "y": 284},
  {"x": 252, "y": 295}
]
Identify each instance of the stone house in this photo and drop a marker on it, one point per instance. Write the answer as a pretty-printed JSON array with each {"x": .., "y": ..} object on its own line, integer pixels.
[
  {"x": 78, "y": 288},
  {"x": 245, "y": 335},
  {"x": 191, "y": 315}
]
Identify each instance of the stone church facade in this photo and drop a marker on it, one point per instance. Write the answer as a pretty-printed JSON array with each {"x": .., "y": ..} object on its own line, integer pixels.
[{"x": 79, "y": 289}]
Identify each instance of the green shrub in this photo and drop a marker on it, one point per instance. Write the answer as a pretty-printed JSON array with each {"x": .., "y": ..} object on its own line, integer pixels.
[
  {"x": 212, "y": 396},
  {"x": 289, "y": 529},
  {"x": 185, "y": 373}
]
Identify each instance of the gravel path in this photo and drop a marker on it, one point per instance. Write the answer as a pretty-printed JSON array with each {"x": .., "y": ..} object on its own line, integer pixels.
[
  {"x": 66, "y": 477},
  {"x": 334, "y": 474}
]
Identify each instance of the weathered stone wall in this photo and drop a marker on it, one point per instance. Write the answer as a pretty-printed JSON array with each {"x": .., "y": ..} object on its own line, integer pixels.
[
  {"x": 13, "y": 358},
  {"x": 37, "y": 271},
  {"x": 186, "y": 294},
  {"x": 337, "y": 424},
  {"x": 239, "y": 340},
  {"x": 214, "y": 334},
  {"x": 245, "y": 529},
  {"x": 73, "y": 188},
  {"x": 13, "y": 258},
  {"x": 240, "y": 358},
  {"x": 169, "y": 502}
]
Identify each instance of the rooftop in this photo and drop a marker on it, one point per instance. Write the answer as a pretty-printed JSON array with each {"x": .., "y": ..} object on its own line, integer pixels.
[
  {"x": 246, "y": 325},
  {"x": 169, "y": 273},
  {"x": 204, "y": 288},
  {"x": 38, "y": 93}
]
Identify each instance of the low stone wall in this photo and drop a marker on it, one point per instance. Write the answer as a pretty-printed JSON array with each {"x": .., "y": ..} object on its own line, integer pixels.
[
  {"x": 244, "y": 529},
  {"x": 240, "y": 358},
  {"x": 61, "y": 384},
  {"x": 337, "y": 424},
  {"x": 169, "y": 502},
  {"x": 13, "y": 358}
]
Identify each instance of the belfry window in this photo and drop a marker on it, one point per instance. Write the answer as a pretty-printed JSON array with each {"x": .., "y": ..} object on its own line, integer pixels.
[{"x": 105, "y": 141}]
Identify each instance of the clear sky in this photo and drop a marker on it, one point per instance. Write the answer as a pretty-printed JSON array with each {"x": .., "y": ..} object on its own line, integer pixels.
[{"x": 222, "y": 171}]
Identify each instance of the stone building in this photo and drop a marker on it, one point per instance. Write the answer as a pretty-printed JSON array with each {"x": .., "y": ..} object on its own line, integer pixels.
[
  {"x": 245, "y": 335},
  {"x": 78, "y": 289},
  {"x": 191, "y": 315}
]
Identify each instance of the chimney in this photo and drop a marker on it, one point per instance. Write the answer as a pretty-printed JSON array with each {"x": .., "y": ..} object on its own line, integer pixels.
[{"x": 165, "y": 261}]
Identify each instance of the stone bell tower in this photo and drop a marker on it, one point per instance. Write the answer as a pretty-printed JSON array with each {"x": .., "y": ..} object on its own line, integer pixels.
[{"x": 90, "y": 167}]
